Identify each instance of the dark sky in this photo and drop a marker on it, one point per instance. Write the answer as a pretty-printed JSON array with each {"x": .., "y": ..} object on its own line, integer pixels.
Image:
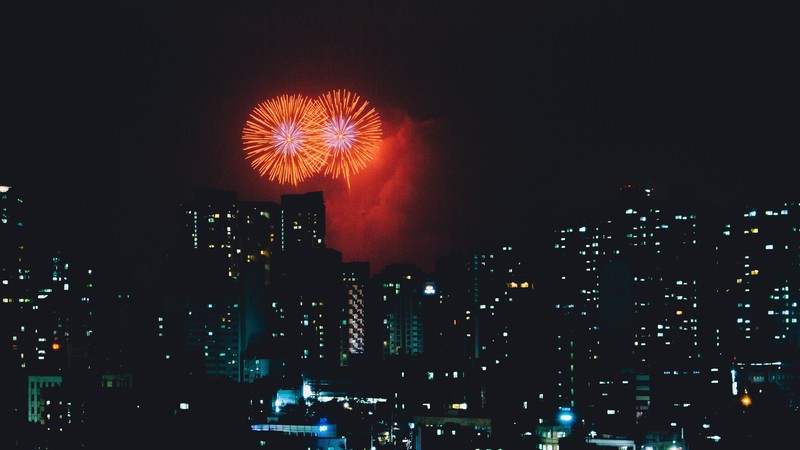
[{"x": 495, "y": 115}]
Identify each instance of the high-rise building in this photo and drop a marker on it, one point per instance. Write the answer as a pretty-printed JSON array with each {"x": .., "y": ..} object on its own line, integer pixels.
[
  {"x": 15, "y": 283},
  {"x": 760, "y": 252},
  {"x": 759, "y": 291},
  {"x": 14, "y": 264},
  {"x": 356, "y": 276},
  {"x": 502, "y": 288},
  {"x": 303, "y": 221},
  {"x": 227, "y": 255},
  {"x": 259, "y": 233},
  {"x": 210, "y": 228},
  {"x": 630, "y": 295},
  {"x": 507, "y": 328},
  {"x": 447, "y": 331},
  {"x": 312, "y": 312},
  {"x": 258, "y": 229},
  {"x": 46, "y": 298},
  {"x": 398, "y": 305},
  {"x": 306, "y": 300}
]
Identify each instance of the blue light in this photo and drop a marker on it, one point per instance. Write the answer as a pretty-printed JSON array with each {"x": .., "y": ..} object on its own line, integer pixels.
[{"x": 565, "y": 415}]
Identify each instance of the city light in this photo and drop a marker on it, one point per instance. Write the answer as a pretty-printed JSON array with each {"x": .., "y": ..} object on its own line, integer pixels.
[
  {"x": 566, "y": 416},
  {"x": 746, "y": 400}
]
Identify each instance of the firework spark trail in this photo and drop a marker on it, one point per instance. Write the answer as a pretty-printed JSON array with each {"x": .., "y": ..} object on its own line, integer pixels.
[
  {"x": 283, "y": 138},
  {"x": 349, "y": 135}
]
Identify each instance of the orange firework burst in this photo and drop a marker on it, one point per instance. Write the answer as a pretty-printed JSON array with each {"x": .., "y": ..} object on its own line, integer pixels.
[
  {"x": 283, "y": 138},
  {"x": 349, "y": 134}
]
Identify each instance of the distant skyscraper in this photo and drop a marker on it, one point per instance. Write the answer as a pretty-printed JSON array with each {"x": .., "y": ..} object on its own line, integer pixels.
[
  {"x": 630, "y": 295},
  {"x": 502, "y": 299},
  {"x": 357, "y": 278},
  {"x": 259, "y": 235},
  {"x": 448, "y": 332},
  {"x": 210, "y": 228},
  {"x": 309, "y": 294},
  {"x": 760, "y": 254},
  {"x": 214, "y": 332},
  {"x": 15, "y": 286},
  {"x": 235, "y": 240},
  {"x": 14, "y": 264},
  {"x": 46, "y": 300},
  {"x": 307, "y": 300},
  {"x": 259, "y": 230},
  {"x": 303, "y": 222},
  {"x": 398, "y": 302}
]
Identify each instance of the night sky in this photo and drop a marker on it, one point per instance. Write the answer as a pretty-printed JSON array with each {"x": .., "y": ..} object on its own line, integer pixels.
[{"x": 495, "y": 115}]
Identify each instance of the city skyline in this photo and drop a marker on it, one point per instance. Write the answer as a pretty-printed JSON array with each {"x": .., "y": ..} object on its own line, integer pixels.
[
  {"x": 493, "y": 116},
  {"x": 641, "y": 321},
  {"x": 700, "y": 309}
]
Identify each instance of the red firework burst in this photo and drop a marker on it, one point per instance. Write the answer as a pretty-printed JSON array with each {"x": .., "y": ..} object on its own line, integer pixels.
[
  {"x": 282, "y": 138},
  {"x": 350, "y": 133}
]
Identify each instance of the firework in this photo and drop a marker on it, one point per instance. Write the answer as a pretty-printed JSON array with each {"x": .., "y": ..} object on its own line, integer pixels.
[
  {"x": 282, "y": 138},
  {"x": 349, "y": 134}
]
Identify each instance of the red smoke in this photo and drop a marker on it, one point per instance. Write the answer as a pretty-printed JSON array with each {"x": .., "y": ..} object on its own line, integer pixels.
[{"x": 396, "y": 210}]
